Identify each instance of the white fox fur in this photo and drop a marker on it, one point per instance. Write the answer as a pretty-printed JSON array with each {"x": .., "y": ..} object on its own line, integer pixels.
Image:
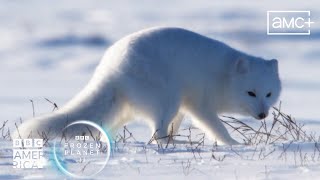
[{"x": 161, "y": 74}]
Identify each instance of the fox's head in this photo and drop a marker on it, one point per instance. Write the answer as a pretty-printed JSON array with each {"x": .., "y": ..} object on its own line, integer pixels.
[{"x": 254, "y": 86}]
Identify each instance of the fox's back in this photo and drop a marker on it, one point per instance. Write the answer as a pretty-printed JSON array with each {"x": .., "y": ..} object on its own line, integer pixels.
[{"x": 164, "y": 52}]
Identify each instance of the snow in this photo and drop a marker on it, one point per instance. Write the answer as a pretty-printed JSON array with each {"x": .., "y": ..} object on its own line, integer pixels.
[
  {"x": 49, "y": 49},
  {"x": 135, "y": 160}
]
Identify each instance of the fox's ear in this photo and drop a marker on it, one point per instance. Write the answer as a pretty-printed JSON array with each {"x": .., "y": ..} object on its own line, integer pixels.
[
  {"x": 241, "y": 65},
  {"x": 274, "y": 65}
]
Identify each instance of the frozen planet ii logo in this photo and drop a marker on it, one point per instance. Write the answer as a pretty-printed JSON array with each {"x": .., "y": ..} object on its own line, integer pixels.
[{"x": 83, "y": 149}]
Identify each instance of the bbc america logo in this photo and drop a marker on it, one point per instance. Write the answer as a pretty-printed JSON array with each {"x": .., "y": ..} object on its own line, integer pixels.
[
  {"x": 27, "y": 153},
  {"x": 289, "y": 22}
]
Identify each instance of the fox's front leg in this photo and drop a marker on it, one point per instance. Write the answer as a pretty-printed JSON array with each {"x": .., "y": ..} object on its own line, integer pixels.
[{"x": 213, "y": 127}]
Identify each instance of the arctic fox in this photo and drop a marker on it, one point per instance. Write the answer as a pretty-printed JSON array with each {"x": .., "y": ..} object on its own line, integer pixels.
[{"x": 163, "y": 73}]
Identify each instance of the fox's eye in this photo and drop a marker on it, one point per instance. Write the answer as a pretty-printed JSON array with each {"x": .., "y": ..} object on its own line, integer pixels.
[
  {"x": 268, "y": 95},
  {"x": 252, "y": 94}
]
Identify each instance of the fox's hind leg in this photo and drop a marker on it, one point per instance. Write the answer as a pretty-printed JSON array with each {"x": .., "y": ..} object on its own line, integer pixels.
[
  {"x": 162, "y": 124},
  {"x": 117, "y": 118},
  {"x": 162, "y": 120},
  {"x": 115, "y": 115},
  {"x": 175, "y": 123},
  {"x": 174, "y": 128}
]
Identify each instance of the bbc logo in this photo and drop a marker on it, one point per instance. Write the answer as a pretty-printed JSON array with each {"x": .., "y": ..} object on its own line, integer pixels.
[
  {"x": 289, "y": 22},
  {"x": 27, "y": 143},
  {"x": 81, "y": 138}
]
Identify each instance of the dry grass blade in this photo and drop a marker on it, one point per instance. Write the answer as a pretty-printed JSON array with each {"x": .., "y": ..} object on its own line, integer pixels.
[{"x": 282, "y": 128}]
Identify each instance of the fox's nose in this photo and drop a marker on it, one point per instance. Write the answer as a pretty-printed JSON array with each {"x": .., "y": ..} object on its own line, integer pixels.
[{"x": 262, "y": 115}]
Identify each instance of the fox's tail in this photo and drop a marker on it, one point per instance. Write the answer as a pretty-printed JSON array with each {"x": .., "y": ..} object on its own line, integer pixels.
[{"x": 94, "y": 103}]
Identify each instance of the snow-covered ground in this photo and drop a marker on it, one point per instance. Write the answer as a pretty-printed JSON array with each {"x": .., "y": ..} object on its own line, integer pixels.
[
  {"x": 49, "y": 49},
  {"x": 243, "y": 162}
]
